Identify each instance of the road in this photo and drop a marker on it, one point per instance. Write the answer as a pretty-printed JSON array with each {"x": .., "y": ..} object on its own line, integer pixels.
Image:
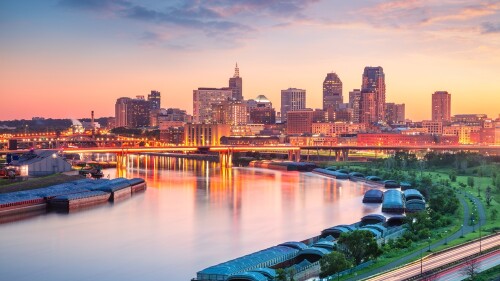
[
  {"x": 439, "y": 259},
  {"x": 484, "y": 263}
]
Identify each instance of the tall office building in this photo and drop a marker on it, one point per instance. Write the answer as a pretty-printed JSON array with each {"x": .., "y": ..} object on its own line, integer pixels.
[
  {"x": 292, "y": 99},
  {"x": 138, "y": 112},
  {"x": 261, "y": 111},
  {"x": 374, "y": 82},
  {"x": 154, "y": 99},
  {"x": 236, "y": 84},
  {"x": 441, "y": 106},
  {"x": 204, "y": 99},
  {"x": 354, "y": 100},
  {"x": 394, "y": 113},
  {"x": 367, "y": 108},
  {"x": 332, "y": 91},
  {"x": 231, "y": 112},
  {"x": 121, "y": 112}
]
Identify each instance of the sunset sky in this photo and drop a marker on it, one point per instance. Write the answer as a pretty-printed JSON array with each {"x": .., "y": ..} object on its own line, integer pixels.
[{"x": 62, "y": 59}]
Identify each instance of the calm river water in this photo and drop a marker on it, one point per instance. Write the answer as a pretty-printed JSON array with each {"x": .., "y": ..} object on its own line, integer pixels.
[{"x": 193, "y": 215}]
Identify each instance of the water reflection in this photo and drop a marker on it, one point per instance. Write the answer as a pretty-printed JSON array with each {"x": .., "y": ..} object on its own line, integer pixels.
[{"x": 193, "y": 215}]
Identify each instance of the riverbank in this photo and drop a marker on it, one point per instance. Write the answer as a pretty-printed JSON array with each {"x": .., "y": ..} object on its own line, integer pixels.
[{"x": 7, "y": 185}]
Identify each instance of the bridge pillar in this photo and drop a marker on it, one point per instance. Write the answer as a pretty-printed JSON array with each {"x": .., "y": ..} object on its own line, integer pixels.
[
  {"x": 226, "y": 159},
  {"x": 294, "y": 155},
  {"x": 345, "y": 154},
  {"x": 337, "y": 156}
]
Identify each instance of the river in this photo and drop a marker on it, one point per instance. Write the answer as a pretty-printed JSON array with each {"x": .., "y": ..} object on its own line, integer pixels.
[{"x": 193, "y": 215}]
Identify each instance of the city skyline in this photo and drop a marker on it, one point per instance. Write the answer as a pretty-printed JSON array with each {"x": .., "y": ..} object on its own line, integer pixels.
[{"x": 98, "y": 51}]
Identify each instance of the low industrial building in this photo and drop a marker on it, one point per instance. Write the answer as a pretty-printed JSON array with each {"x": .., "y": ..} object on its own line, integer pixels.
[{"x": 41, "y": 163}]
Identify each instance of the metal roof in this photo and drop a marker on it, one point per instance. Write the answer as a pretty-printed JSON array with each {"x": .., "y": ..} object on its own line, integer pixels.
[
  {"x": 413, "y": 193},
  {"x": 393, "y": 199},
  {"x": 248, "y": 276},
  {"x": 271, "y": 256}
]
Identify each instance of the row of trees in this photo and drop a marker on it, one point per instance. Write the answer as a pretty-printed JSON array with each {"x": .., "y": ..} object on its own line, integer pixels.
[{"x": 354, "y": 248}]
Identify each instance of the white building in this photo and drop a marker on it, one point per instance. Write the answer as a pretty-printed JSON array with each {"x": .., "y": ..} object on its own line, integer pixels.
[{"x": 41, "y": 163}]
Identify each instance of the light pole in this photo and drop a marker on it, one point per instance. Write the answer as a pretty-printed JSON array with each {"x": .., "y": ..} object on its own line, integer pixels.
[
  {"x": 479, "y": 236},
  {"x": 429, "y": 240},
  {"x": 462, "y": 231},
  {"x": 446, "y": 237}
]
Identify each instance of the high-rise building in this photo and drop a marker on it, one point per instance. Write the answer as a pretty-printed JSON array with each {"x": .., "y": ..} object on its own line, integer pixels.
[
  {"x": 394, "y": 113},
  {"x": 441, "y": 106},
  {"x": 121, "y": 112},
  {"x": 367, "y": 108},
  {"x": 354, "y": 100},
  {"x": 332, "y": 91},
  {"x": 300, "y": 121},
  {"x": 205, "y": 134},
  {"x": 204, "y": 98},
  {"x": 261, "y": 111},
  {"x": 292, "y": 99},
  {"x": 374, "y": 82},
  {"x": 132, "y": 112},
  {"x": 236, "y": 84},
  {"x": 138, "y": 112},
  {"x": 232, "y": 112},
  {"x": 154, "y": 99}
]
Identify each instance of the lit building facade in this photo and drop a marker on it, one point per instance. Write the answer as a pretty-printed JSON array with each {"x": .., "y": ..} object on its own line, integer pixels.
[
  {"x": 395, "y": 113},
  {"x": 204, "y": 98},
  {"x": 232, "y": 112},
  {"x": 236, "y": 84},
  {"x": 292, "y": 99},
  {"x": 336, "y": 128},
  {"x": 441, "y": 106},
  {"x": 261, "y": 111},
  {"x": 367, "y": 108},
  {"x": 332, "y": 91},
  {"x": 121, "y": 112},
  {"x": 205, "y": 134},
  {"x": 155, "y": 99},
  {"x": 374, "y": 82},
  {"x": 433, "y": 127},
  {"x": 300, "y": 121},
  {"x": 354, "y": 104}
]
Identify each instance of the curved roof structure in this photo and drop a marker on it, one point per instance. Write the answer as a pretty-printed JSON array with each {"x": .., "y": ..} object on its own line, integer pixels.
[
  {"x": 396, "y": 220},
  {"x": 264, "y": 258},
  {"x": 311, "y": 254},
  {"x": 373, "y": 178},
  {"x": 356, "y": 175},
  {"x": 325, "y": 244},
  {"x": 393, "y": 202},
  {"x": 413, "y": 194},
  {"x": 261, "y": 98},
  {"x": 295, "y": 245},
  {"x": 373, "y": 219},
  {"x": 415, "y": 205},
  {"x": 405, "y": 185},
  {"x": 376, "y": 233},
  {"x": 247, "y": 276},
  {"x": 335, "y": 174},
  {"x": 267, "y": 272},
  {"x": 373, "y": 196},
  {"x": 391, "y": 184},
  {"x": 336, "y": 231}
]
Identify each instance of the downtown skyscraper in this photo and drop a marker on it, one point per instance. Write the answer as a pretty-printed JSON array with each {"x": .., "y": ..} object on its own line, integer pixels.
[
  {"x": 332, "y": 91},
  {"x": 441, "y": 106},
  {"x": 374, "y": 82},
  {"x": 236, "y": 84},
  {"x": 292, "y": 99}
]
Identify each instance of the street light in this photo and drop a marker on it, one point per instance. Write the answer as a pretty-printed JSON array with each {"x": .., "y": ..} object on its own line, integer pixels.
[
  {"x": 446, "y": 237},
  {"x": 429, "y": 240},
  {"x": 462, "y": 231}
]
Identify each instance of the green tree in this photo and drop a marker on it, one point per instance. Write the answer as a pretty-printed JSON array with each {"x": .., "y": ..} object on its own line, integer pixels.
[
  {"x": 470, "y": 181},
  {"x": 280, "y": 275},
  {"x": 488, "y": 196},
  {"x": 333, "y": 263},
  {"x": 494, "y": 214},
  {"x": 360, "y": 245}
]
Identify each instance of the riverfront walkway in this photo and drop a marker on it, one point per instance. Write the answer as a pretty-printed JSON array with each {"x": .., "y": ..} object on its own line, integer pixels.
[{"x": 415, "y": 255}]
